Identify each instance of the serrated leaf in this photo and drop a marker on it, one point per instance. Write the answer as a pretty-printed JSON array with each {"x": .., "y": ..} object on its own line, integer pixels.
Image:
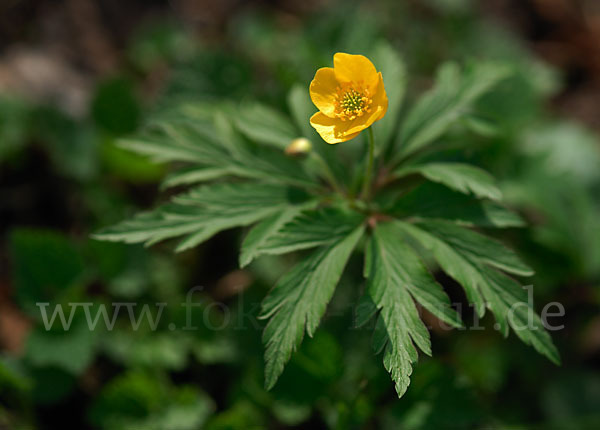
[
  {"x": 263, "y": 231},
  {"x": 405, "y": 270},
  {"x": 239, "y": 197},
  {"x": 366, "y": 309},
  {"x": 454, "y": 264},
  {"x": 264, "y": 125},
  {"x": 146, "y": 227},
  {"x": 458, "y": 176},
  {"x": 469, "y": 263},
  {"x": 159, "y": 149},
  {"x": 508, "y": 301},
  {"x": 310, "y": 229},
  {"x": 193, "y": 175},
  {"x": 396, "y": 276},
  {"x": 204, "y": 211},
  {"x": 445, "y": 204},
  {"x": 213, "y": 143},
  {"x": 450, "y": 99},
  {"x": 179, "y": 140},
  {"x": 299, "y": 300},
  {"x": 478, "y": 246}
]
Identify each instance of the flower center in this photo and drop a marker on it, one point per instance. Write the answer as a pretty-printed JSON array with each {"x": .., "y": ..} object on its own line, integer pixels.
[{"x": 352, "y": 100}]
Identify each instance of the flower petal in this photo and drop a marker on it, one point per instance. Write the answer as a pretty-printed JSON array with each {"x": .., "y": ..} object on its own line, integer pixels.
[
  {"x": 354, "y": 68},
  {"x": 332, "y": 130},
  {"x": 323, "y": 90},
  {"x": 378, "y": 109}
]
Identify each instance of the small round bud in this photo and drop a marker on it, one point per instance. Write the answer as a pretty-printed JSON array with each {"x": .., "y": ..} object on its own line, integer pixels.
[{"x": 298, "y": 147}]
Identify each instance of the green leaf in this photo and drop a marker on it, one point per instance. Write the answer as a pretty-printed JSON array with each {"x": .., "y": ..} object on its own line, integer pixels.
[
  {"x": 202, "y": 212},
  {"x": 263, "y": 231},
  {"x": 264, "y": 125},
  {"x": 396, "y": 277},
  {"x": 453, "y": 263},
  {"x": 468, "y": 258},
  {"x": 481, "y": 125},
  {"x": 210, "y": 142},
  {"x": 298, "y": 302},
  {"x": 508, "y": 301},
  {"x": 125, "y": 164},
  {"x": 148, "y": 227},
  {"x": 260, "y": 162},
  {"x": 443, "y": 203},
  {"x": 194, "y": 175},
  {"x": 405, "y": 270},
  {"x": 388, "y": 61},
  {"x": 476, "y": 245},
  {"x": 310, "y": 229},
  {"x": 458, "y": 176},
  {"x": 186, "y": 141},
  {"x": 448, "y": 101},
  {"x": 564, "y": 149}
]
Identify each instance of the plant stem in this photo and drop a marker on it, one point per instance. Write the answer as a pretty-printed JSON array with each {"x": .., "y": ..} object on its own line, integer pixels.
[{"x": 369, "y": 172}]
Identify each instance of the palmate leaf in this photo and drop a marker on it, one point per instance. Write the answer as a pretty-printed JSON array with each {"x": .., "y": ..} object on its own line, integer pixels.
[
  {"x": 450, "y": 99},
  {"x": 299, "y": 299},
  {"x": 203, "y": 212},
  {"x": 295, "y": 230},
  {"x": 310, "y": 229},
  {"x": 470, "y": 259},
  {"x": 458, "y": 176},
  {"x": 452, "y": 262},
  {"x": 396, "y": 277},
  {"x": 212, "y": 144}
]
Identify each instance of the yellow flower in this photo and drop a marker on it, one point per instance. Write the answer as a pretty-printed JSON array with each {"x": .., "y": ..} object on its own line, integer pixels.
[{"x": 350, "y": 98}]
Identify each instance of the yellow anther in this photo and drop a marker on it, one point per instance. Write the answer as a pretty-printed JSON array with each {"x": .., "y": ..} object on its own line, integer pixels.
[{"x": 352, "y": 101}]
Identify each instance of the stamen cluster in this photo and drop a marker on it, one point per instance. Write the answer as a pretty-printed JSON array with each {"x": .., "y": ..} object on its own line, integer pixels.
[{"x": 352, "y": 101}]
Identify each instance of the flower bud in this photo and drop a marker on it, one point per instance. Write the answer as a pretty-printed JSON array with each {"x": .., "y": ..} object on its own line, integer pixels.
[{"x": 298, "y": 147}]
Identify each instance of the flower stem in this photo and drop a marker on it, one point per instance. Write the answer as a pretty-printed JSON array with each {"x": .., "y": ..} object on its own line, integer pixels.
[{"x": 369, "y": 172}]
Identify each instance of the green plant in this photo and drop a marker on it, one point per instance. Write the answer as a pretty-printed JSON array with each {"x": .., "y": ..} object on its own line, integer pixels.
[{"x": 417, "y": 203}]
